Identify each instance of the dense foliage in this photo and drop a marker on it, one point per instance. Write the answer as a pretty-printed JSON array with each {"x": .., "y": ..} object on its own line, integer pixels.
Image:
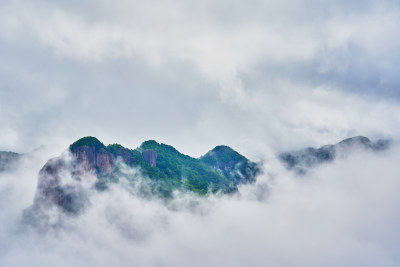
[
  {"x": 89, "y": 141},
  {"x": 188, "y": 172},
  {"x": 234, "y": 166},
  {"x": 222, "y": 169}
]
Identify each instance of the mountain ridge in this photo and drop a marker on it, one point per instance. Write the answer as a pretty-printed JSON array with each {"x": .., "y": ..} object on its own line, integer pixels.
[
  {"x": 165, "y": 170},
  {"x": 303, "y": 159},
  {"x": 159, "y": 170}
]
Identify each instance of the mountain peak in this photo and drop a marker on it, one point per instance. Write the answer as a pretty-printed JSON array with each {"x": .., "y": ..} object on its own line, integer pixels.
[
  {"x": 89, "y": 141},
  {"x": 222, "y": 149},
  {"x": 154, "y": 145},
  {"x": 222, "y": 153},
  {"x": 231, "y": 164},
  {"x": 304, "y": 159},
  {"x": 355, "y": 140},
  {"x": 150, "y": 143}
]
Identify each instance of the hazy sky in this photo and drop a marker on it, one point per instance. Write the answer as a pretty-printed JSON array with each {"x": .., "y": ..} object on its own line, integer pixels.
[{"x": 256, "y": 75}]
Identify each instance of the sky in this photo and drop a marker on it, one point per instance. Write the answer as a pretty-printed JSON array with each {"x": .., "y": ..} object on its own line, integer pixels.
[
  {"x": 258, "y": 76},
  {"x": 262, "y": 76}
]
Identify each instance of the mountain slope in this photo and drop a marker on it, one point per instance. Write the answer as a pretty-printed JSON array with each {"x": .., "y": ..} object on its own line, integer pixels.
[
  {"x": 231, "y": 164},
  {"x": 155, "y": 169},
  {"x": 89, "y": 164}
]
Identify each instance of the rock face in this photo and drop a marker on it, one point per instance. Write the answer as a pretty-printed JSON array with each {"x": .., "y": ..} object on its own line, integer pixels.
[
  {"x": 304, "y": 159},
  {"x": 91, "y": 155},
  {"x": 62, "y": 180},
  {"x": 55, "y": 187},
  {"x": 150, "y": 156}
]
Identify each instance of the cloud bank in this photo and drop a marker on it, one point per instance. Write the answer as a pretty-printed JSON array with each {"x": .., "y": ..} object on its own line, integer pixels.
[{"x": 344, "y": 213}]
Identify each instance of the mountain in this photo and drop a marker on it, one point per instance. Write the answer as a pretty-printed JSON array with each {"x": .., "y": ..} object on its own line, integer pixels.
[
  {"x": 304, "y": 159},
  {"x": 88, "y": 163},
  {"x": 158, "y": 170},
  {"x": 231, "y": 164},
  {"x": 8, "y": 160}
]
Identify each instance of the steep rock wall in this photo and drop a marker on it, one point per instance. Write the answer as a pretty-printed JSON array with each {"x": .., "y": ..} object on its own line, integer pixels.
[{"x": 150, "y": 156}]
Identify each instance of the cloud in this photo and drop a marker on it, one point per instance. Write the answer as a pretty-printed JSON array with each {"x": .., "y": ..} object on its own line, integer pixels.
[
  {"x": 333, "y": 39},
  {"x": 344, "y": 213},
  {"x": 193, "y": 75},
  {"x": 261, "y": 76}
]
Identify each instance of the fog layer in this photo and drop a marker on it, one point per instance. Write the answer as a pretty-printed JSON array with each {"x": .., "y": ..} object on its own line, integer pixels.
[{"x": 345, "y": 213}]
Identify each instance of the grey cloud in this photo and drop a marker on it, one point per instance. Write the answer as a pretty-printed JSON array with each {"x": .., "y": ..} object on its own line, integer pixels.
[{"x": 199, "y": 74}]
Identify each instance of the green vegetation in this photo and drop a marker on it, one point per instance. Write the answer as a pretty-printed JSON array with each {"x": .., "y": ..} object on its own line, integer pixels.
[
  {"x": 87, "y": 141},
  {"x": 115, "y": 148},
  {"x": 222, "y": 155},
  {"x": 222, "y": 169},
  {"x": 234, "y": 166},
  {"x": 189, "y": 172}
]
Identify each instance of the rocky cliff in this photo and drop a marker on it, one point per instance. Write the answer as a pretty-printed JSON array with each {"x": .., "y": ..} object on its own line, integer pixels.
[{"x": 150, "y": 156}]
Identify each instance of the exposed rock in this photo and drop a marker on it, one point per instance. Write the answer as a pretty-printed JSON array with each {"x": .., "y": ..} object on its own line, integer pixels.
[
  {"x": 91, "y": 156},
  {"x": 103, "y": 162},
  {"x": 150, "y": 156},
  {"x": 62, "y": 180},
  {"x": 57, "y": 190},
  {"x": 61, "y": 183},
  {"x": 49, "y": 181},
  {"x": 121, "y": 152},
  {"x": 86, "y": 158}
]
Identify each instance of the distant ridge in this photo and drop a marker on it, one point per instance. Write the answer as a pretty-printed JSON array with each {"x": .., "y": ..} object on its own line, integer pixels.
[{"x": 303, "y": 159}]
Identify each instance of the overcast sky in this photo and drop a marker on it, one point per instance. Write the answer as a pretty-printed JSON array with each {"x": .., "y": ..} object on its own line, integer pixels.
[{"x": 256, "y": 75}]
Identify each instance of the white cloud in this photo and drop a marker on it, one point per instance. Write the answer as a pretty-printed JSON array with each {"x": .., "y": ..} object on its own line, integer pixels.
[
  {"x": 259, "y": 64},
  {"x": 344, "y": 213},
  {"x": 176, "y": 31}
]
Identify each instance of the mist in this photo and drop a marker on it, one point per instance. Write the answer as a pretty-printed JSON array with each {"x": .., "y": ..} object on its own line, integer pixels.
[{"x": 344, "y": 213}]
